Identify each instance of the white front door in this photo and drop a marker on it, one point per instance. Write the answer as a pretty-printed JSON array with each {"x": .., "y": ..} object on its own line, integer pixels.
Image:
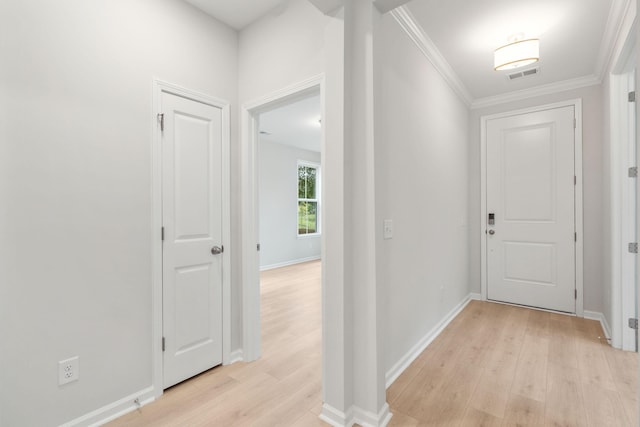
[
  {"x": 531, "y": 209},
  {"x": 192, "y": 246}
]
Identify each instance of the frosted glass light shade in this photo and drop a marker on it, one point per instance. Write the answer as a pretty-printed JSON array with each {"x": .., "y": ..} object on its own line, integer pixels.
[{"x": 516, "y": 54}]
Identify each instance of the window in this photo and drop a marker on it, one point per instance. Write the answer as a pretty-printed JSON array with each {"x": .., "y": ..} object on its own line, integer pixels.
[{"x": 308, "y": 198}]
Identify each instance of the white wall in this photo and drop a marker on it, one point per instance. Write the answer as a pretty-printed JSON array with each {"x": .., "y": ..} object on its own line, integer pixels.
[
  {"x": 278, "y": 181},
  {"x": 290, "y": 45},
  {"x": 75, "y": 252},
  {"x": 592, "y": 158},
  {"x": 284, "y": 47},
  {"x": 422, "y": 185}
]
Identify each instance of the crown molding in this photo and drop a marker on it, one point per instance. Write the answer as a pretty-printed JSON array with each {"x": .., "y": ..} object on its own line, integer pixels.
[
  {"x": 577, "y": 83},
  {"x": 408, "y": 23},
  {"x": 615, "y": 21}
]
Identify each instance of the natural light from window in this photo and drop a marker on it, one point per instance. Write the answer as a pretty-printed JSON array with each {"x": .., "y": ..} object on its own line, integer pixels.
[{"x": 308, "y": 198}]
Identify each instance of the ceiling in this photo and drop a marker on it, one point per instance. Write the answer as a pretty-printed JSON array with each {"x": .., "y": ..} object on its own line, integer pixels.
[
  {"x": 467, "y": 32},
  {"x": 460, "y": 35},
  {"x": 295, "y": 124},
  {"x": 236, "y": 13}
]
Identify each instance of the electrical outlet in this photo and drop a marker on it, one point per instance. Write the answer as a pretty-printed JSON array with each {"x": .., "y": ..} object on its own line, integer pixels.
[{"x": 68, "y": 370}]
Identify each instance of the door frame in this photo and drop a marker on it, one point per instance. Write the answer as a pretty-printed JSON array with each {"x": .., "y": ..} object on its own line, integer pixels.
[
  {"x": 622, "y": 266},
  {"x": 160, "y": 87},
  {"x": 250, "y": 111},
  {"x": 577, "y": 104}
]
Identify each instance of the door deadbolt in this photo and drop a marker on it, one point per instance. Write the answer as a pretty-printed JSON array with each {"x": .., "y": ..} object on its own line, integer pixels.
[{"x": 492, "y": 219}]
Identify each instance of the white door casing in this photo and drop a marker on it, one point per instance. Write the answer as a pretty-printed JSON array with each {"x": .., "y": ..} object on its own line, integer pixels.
[
  {"x": 530, "y": 190},
  {"x": 629, "y": 212},
  {"x": 190, "y": 169}
]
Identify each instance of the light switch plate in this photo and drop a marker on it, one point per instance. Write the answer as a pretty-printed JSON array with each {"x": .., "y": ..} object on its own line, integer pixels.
[{"x": 388, "y": 228}]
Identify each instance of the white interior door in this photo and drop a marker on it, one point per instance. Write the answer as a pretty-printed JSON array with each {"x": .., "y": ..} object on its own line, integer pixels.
[
  {"x": 192, "y": 221},
  {"x": 531, "y": 198}
]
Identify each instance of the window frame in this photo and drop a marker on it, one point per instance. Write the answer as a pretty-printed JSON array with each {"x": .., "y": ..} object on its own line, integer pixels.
[{"x": 316, "y": 200}]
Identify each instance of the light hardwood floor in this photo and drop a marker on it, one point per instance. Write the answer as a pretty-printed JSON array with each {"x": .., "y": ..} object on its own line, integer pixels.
[{"x": 494, "y": 365}]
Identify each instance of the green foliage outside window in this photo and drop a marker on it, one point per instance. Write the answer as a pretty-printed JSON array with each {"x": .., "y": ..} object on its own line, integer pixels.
[{"x": 307, "y": 200}]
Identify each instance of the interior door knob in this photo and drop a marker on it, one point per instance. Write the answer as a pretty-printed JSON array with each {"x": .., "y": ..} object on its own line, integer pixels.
[
  {"x": 492, "y": 232},
  {"x": 217, "y": 250}
]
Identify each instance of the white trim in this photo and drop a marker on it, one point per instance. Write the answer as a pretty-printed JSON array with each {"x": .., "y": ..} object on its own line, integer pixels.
[
  {"x": 406, "y": 20},
  {"x": 547, "y": 89},
  {"x": 249, "y": 112},
  {"x": 399, "y": 367},
  {"x": 622, "y": 221},
  {"x": 579, "y": 247},
  {"x": 235, "y": 356},
  {"x": 355, "y": 415},
  {"x": 288, "y": 263},
  {"x": 114, "y": 410},
  {"x": 159, "y": 87},
  {"x": 613, "y": 28},
  {"x": 475, "y": 296},
  {"x": 595, "y": 315},
  {"x": 369, "y": 419},
  {"x": 579, "y": 208},
  {"x": 416, "y": 33},
  {"x": 336, "y": 418}
]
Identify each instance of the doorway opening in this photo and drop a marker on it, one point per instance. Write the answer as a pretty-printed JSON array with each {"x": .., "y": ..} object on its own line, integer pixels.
[
  {"x": 289, "y": 183},
  {"x": 289, "y": 215},
  {"x": 290, "y": 230}
]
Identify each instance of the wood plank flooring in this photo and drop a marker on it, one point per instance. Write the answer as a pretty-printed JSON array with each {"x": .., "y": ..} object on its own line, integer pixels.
[
  {"x": 282, "y": 388},
  {"x": 494, "y": 365},
  {"x": 499, "y": 365}
]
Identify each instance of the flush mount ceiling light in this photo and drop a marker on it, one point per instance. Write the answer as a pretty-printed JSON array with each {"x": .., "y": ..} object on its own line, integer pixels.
[{"x": 518, "y": 53}]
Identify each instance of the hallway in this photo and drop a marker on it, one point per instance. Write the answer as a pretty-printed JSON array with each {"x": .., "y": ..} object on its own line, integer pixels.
[{"x": 493, "y": 365}]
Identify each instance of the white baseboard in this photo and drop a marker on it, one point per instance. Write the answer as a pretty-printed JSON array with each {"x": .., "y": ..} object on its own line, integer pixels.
[
  {"x": 368, "y": 419},
  {"x": 287, "y": 263},
  {"x": 475, "y": 296},
  {"x": 355, "y": 415},
  {"x": 114, "y": 410},
  {"x": 336, "y": 418},
  {"x": 595, "y": 315},
  {"x": 236, "y": 356},
  {"x": 397, "y": 369}
]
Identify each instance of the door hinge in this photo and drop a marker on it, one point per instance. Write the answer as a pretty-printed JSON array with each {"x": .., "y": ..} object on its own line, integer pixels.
[
  {"x": 575, "y": 123},
  {"x": 575, "y": 236},
  {"x": 632, "y": 96},
  {"x": 163, "y": 347},
  {"x": 575, "y": 180},
  {"x": 162, "y": 233},
  {"x": 633, "y": 323},
  {"x": 633, "y": 172},
  {"x": 161, "y": 121},
  {"x": 633, "y": 247},
  {"x": 575, "y": 294},
  {"x": 258, "y": 247}
]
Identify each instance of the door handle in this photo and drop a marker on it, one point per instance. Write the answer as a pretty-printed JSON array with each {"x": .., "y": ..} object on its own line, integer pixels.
[
  {"x": 217, "y": 250},
  {"x": 492, "y": 232}
]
